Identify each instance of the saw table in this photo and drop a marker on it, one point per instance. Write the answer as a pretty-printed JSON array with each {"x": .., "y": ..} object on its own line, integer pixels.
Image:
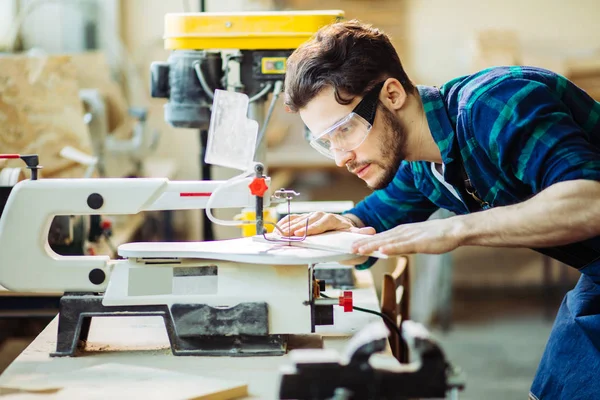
[{"x": 142, "y": 341}]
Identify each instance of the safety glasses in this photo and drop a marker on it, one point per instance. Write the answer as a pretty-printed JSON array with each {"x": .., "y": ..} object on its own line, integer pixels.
[{"x": 352, "y": 130}]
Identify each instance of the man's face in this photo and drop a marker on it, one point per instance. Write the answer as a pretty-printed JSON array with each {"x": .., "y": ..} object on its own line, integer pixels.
[{"x": 377, "y": 159}]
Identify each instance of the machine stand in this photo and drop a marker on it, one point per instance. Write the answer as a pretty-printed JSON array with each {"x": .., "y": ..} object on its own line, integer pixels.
[{"x": 77, "y": 310}]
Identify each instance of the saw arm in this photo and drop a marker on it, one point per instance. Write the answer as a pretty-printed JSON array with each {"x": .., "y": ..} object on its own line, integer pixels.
[{"x": 27, "y": 263}]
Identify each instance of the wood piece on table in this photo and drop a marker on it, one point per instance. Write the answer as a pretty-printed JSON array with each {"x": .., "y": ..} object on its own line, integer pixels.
[
  {"x": 244, "y": 250},
  {"x": 122, "y": 381},
  {"x": 329, "y": 241}
]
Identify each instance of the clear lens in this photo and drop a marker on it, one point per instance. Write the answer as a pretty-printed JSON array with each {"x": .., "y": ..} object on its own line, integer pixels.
[{"x": 345, "y": 135}]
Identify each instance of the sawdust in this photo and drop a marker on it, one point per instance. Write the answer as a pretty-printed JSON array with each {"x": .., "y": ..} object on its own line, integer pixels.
[{"x": 92, "y": 348}]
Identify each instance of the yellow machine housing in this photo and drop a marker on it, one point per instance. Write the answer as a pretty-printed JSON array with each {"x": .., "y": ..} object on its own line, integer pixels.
[
  {"x": 244, "y": 30},
  {"x": 203, "y": 45}
]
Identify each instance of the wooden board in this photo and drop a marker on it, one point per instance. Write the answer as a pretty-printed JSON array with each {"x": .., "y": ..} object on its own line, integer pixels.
[
  {"x": 330, "y": 241},
  {"x": 122, "y": 381},
  {"x": 244, "y": 250},
  {"x": 40, "y": 112},
  {"x": 93, "y": 72}
]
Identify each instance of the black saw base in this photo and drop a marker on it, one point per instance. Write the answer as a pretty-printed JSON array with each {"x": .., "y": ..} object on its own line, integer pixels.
[{"x": 194, "y": 338}]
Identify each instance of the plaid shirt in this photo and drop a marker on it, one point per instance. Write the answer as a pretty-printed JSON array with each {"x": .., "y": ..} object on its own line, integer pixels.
[{"x": 518, "y": 130}]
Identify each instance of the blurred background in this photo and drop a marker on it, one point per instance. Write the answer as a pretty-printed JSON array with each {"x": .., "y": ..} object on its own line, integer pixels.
[{"x": 86, "y": 62}]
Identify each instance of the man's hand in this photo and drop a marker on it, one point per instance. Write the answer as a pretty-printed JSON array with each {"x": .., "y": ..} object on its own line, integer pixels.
[
  {"x": 319, "y": 222},
  {"x": 431, "y": 237}
]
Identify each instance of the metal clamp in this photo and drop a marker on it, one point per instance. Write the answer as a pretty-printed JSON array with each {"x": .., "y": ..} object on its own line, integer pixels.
[{"x": 280, "y": 196}]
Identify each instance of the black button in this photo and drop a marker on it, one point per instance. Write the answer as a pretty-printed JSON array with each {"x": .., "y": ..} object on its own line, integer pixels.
[
  {"x": 97, "y": 276},
  {"x": 95, "y": 201}
]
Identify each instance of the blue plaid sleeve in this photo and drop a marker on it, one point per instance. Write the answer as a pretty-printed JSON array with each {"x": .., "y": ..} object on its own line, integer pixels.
[
  {"x": 400, "y": 202},
  {"x": 530, "y": 134}
]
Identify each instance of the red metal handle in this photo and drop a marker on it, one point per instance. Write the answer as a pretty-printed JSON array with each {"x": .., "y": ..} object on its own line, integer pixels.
[{"x": 11, "y": 156}]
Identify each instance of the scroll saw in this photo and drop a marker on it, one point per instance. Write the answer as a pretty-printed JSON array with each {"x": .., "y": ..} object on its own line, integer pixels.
[
  {"x": 229, "y": 297},
  {"x": 232, "y": 297}
]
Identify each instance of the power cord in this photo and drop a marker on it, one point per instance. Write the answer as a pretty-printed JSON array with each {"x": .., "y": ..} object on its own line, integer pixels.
[{"x": 389, "y": 322}]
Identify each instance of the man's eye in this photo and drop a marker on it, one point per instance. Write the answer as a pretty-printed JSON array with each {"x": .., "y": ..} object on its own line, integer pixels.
[{"x": 344, "y": 129}]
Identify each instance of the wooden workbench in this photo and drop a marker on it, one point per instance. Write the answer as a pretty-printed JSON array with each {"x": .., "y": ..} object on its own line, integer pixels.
[{"x": 142, "y": 341}]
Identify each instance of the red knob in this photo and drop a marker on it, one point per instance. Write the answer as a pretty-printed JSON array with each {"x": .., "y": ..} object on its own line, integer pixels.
[
  {"x": 346, "y": 301},
  {"x": 258, "y": 187},
  {"x": 106, "y": 224}
]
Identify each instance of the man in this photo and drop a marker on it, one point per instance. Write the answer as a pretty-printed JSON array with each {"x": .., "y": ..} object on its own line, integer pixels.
[{"x": 513, "y": 151}]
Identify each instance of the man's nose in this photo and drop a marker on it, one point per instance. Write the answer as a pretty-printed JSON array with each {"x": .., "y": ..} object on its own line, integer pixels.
[{"x": 342, "y": 157}]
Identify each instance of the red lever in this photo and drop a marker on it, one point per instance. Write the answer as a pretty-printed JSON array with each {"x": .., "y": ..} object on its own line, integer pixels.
[
  {"x": 10, "y": 156},
  {"x": 346, "y": 301},
  {"x": 258, "y": 187}
]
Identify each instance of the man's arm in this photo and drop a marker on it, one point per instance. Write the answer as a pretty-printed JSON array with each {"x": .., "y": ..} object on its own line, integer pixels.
[
  {"x": 565, "y": 212},
  {"x": 540, "y": 145}
]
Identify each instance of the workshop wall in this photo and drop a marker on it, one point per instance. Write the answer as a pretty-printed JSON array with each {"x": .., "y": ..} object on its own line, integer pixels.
[
  {"x": 388, "y": 15},
  {"x": 436, "y": 40},
  {"x": 441, "y": 34}
]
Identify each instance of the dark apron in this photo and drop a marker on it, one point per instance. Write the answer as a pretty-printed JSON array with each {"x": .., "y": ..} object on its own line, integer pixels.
[{"x": 570, "y": 365}]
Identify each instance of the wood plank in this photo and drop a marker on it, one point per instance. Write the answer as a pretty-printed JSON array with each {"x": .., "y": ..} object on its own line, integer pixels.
[
  {"x": 246, "y": 250},
  {"x": 41, "y": 112},
  {"x": 93, "y": 72},
  {"x": 330, "y": 241},
  {"x": 115, "y": 380}
]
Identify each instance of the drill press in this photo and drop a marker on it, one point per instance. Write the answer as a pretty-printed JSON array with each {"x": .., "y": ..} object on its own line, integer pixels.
[{"x": 243, "y": 52}]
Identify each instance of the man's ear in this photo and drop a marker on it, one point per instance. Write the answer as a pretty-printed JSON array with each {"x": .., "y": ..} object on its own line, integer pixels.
[{"x": 393, "y": 94}]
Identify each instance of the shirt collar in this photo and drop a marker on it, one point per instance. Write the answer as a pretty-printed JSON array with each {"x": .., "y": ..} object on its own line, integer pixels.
[{"x": 439, "y": 123}]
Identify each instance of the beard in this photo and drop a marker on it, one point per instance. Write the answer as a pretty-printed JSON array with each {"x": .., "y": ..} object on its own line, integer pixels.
[{"x": 391, "y": 148}]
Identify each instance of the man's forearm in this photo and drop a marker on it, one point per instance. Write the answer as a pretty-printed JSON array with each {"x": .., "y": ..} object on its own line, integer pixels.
[{"x": 563, "y": 213}]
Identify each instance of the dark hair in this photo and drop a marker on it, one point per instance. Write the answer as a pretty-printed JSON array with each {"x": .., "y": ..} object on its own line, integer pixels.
[{"x": 349, "y": 56}]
